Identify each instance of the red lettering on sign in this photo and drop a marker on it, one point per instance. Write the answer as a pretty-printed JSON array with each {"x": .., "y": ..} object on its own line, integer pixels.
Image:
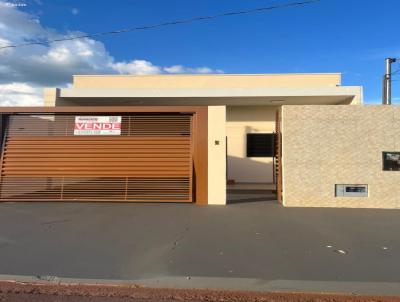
[
  {"x": 97, "y": 126},
  {"x": 79, "y": 126}
]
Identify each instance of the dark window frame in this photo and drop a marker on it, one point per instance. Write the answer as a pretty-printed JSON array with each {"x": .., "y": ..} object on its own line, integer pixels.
[
  {"x": 388, "y": 164},
  {"x": 260, "y": 144}
]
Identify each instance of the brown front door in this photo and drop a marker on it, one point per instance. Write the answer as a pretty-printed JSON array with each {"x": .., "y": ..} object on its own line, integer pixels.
[{"x": 149, "y": 159}]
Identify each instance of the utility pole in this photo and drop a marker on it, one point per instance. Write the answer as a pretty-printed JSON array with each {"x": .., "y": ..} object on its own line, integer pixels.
[{"x": 387, "y": 82}]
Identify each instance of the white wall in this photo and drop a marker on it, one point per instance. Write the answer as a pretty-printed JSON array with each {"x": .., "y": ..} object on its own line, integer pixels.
[
  {"x": 240, "y": 121},
  {"x": 216, "y": 155}
]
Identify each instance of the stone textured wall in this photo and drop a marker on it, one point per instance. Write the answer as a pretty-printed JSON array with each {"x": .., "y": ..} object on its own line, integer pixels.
[{"x": 328, "y": 145}]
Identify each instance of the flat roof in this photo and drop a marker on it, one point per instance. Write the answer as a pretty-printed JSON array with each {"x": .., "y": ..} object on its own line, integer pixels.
[
  {"x": 98, "y": 109},
  {"x": 208, "y": 81},
  {"x": 198, "y": 97},
  {"x": 208, "y": 74}
]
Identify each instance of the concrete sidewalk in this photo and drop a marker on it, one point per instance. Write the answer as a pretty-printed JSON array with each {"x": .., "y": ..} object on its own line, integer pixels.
[{"x": 257, "y": 245}]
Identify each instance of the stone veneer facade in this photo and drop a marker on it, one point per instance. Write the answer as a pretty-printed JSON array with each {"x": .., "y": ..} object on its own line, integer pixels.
[{"x": 327, "y": 145}]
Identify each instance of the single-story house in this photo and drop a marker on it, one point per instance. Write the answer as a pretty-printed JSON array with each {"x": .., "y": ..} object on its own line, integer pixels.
[{"x": 183, "y": 138}]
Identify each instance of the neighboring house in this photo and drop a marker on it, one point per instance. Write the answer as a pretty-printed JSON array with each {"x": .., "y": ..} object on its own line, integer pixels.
[{"x": 224, "y": 126}]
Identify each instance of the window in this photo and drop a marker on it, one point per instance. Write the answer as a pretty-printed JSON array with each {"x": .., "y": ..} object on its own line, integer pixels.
[
  {"x": 391, "y": 161},
  {"x": 260, "y": 144}
]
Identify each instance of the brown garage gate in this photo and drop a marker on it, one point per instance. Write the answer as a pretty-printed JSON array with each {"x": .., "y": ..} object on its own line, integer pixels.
[{"x": 147, "y": 157}]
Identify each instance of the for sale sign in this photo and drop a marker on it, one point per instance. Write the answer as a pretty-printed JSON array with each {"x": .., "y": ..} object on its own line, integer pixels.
[{"x": 97, "y": 125}]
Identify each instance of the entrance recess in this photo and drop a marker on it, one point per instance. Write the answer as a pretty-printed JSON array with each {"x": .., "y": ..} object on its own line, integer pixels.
[{"x": 149, "y": 160}]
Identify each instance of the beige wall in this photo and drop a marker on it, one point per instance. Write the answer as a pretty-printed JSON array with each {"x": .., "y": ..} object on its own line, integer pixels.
[
  {"x": 216, "y": 155},
  {"x": 208, "y": 81},
  {"x": 358, "y": 98},
  {"x": 205, "y": 90},
  {"x": 240, "y": 121},
  {"x": 50, "y": 96},
  {"x": 328, "y": 145}
]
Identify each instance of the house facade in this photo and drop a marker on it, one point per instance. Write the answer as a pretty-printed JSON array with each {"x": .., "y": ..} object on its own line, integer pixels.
[{"x": 194, "y": 134}]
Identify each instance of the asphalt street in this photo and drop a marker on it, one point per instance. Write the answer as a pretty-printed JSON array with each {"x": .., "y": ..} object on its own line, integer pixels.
[{"x": 257, "y": 240}]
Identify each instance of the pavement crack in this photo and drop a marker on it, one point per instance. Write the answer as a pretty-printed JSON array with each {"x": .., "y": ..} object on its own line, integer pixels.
[
  {"x": 181, "y": 236},
  {"x": 55, "y": 222},
  {"x": 49, "y": 224}
]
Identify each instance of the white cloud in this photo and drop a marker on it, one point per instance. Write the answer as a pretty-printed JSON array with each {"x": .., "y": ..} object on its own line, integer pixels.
[
  {"x": 135, "y": 67},
  {"x": 20, "y": 94},
  {"x": 182, "y": 69},
  {"x": 4, "y": 42},
  {"x": 43, "y": 65}
]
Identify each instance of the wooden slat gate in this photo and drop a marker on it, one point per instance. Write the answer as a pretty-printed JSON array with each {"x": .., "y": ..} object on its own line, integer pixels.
[
  {"x": 150, "y": 161},
  {"x": 278, "y": 157}
]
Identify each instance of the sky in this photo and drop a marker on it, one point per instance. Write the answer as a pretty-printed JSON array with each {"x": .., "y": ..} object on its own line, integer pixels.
[{"x": 348, "y": 36}]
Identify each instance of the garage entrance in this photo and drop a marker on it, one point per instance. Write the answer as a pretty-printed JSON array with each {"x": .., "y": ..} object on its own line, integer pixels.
[{"x": 132, "y": 157}]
